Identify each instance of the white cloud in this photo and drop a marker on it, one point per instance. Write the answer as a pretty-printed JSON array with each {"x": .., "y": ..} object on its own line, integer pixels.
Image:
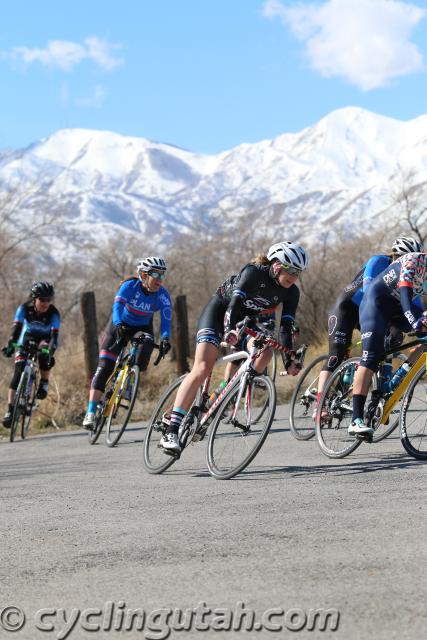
[
  {"x": 367, "y": 42},
  {"x": 65, "y": 55},
  {"x": 94, "y": 100}
]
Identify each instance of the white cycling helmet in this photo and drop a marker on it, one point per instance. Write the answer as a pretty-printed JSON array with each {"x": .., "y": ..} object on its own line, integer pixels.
[
  {"x": 404, "y": 245},
  {"x": 290, "y": 254},
  {"x": 152, "y": 262}
]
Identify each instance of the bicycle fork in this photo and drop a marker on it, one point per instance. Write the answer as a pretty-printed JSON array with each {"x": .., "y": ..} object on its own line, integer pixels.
[{"x": 242, "y": 387}]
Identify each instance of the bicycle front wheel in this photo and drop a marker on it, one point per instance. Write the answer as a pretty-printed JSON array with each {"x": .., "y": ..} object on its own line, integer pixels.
[
  {"x": 121, "y": 410},
  {"x": 155, "y": 459},
  {"x": 99, "y": 424},
  {"x": 235, "y": 438},
  {"x": 335, "y": 411},
  {"x": 29, "y": 406},
  {"x": 303, "y": 401},
  {"x": 19, "y": 407},
  {"x": 413, "y": 417},
  {"x": 272, "y": 367}
]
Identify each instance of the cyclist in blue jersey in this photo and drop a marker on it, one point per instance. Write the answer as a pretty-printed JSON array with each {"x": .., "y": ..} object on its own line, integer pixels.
[
  {"x": 257, "y": 289},
  {"x": 389, "y": 299},
  {"x": 344, "y": 317},
  {"x": 36, "y": 319},
  {"x": 135, "y": 303}
]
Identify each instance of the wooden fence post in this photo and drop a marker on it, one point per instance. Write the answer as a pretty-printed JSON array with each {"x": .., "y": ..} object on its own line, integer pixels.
[
  {"x": 90, "y": 334},
  {"x": 182, "y": 349}
]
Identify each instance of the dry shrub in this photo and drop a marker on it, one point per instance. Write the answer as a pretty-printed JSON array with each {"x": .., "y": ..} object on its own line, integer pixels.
[{"x": 197, "y": 266}]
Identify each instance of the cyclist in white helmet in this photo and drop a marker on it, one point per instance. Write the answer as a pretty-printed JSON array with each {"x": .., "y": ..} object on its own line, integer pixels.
[
  {"x": 135, "y": 303},
  {"x": 344, "y": 316},
  {"x": 258, "y": 289}
]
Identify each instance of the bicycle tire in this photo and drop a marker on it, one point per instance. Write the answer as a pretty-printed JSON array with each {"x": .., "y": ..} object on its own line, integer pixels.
[
  {"x": 413, "y": 417},
  {"x": 30, "y": 402},
  {"x": 17, "y": 407},
  {"x": 305, "y": 396},
  {"x": 272, "y": 367},
  {"x": 99, "y": 425},
  {"x": 111, "y": 437},
  {"x": 336, "y": 404},
  {"x": 228, "y": 440},
  {"x": 100, "y": 418},
  {"x": 384, "y": 430},
  {"x": 155, "y": 431},
  {"x": 269, "y": 371}
]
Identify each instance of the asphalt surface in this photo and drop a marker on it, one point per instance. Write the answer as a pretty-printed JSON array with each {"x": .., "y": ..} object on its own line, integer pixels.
[{"x": 85, "y": 530}]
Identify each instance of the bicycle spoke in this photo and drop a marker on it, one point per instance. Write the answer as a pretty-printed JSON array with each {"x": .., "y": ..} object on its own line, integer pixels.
[
  {"x": 236, "y": 437},
  {"x": 413, "y": 417},
  {"x": 155, "y": 459},
  {"x": 303, "y": 402},
  {"x": 122, "y": 406},
  {"x": 335, "y": 413}
]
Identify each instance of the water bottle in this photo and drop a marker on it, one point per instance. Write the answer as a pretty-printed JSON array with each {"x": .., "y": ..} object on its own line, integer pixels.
[
  {"x": 386, "y": 374},
  {"x": 348, "y": 375},
  {"x": 214, "y": 395},
  {"x": 398, "y": 376}
]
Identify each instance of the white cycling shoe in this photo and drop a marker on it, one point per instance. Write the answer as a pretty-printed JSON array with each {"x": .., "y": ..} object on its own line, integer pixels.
[
  {"x": 89, "y": 421},
  {"x": 359, "y": 428},
  {"x": 170, "y": 443}
]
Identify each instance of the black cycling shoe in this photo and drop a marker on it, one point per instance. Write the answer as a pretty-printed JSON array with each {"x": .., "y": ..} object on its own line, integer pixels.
[
  {"x": 7, "y": 419},
  {"x": 42, "y": 390}
]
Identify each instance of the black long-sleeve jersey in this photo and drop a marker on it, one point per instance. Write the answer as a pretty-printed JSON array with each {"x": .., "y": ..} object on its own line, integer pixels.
[{"x": 253, "y": 292}]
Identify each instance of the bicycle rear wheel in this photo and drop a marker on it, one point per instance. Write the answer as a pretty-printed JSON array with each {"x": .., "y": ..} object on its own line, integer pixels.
[
  {"x": 303, "y": 401},
  {"x": 19, "y": 407},
  {"x": 156, "y": 461},
  {"x": 234, "y": 442},
  {"x": 384, "y": 430},
  {"x": 29, "y": 406},
  {"x": 334, "y": 413},
  {"x": 413, "y": 417},
  {"x": 123, "y": 405}
]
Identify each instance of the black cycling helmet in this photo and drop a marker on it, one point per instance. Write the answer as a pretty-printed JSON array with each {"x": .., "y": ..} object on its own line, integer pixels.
[{"x": 42, "y": 290}]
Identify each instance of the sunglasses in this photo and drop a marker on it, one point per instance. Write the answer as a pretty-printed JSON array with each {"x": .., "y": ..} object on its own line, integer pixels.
[
  {"x": 44, "y": 299},
  {"x": 156, "y": 275},
  {"x": 292, "y": 271}
]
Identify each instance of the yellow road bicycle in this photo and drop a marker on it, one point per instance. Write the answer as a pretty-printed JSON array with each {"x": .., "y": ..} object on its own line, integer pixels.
[
  {"x": 382, "y": 410},
  {"x": 120, "y": 394}
]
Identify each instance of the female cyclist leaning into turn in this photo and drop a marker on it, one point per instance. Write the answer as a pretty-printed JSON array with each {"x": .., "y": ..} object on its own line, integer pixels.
[{"x": 257, "y": 289}]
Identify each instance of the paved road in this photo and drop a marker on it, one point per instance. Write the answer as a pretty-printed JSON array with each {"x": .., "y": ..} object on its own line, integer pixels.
[{"x": 84, "y": 526}]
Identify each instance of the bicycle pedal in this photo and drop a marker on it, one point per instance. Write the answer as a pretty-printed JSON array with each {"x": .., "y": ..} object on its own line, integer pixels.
[
  {"x": 172, "y": 454},
  {"x": 364, "y": 438}
]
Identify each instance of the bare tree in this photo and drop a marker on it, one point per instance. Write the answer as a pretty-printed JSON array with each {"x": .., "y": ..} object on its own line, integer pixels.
[{"x": 409, "y": 201}]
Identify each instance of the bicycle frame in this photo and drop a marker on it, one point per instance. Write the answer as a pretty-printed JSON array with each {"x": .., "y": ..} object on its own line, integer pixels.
[
  {"x": 242, "y": 372},
  {"x": 400, "y": 390},
  {"x": 124, "y": 362},
  {"x": 404, "y": 384}
]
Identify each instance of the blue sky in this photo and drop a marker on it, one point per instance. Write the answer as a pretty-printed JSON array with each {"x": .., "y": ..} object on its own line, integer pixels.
[{"x": 205, "y": 75}]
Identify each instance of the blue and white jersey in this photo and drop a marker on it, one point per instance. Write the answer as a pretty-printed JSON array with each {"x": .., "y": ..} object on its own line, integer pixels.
[
  {"x": 135, "y": 307},
  {"x": 40, "y": 326}
]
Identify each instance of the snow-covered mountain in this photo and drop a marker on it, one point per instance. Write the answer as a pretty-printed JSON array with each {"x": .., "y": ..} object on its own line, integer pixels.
[{"x": 338, "y": 173}]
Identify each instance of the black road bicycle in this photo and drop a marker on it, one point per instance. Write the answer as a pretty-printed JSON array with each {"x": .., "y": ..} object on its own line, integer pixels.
[{"x": 25, "y": 398}]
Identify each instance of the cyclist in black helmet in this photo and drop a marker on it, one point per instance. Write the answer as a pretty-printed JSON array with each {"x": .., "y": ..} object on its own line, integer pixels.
[{"x": 40, "y": 320}]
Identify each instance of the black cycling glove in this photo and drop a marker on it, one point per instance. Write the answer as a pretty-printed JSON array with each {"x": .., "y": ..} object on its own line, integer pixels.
[{"x": 165, "y": 347}]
